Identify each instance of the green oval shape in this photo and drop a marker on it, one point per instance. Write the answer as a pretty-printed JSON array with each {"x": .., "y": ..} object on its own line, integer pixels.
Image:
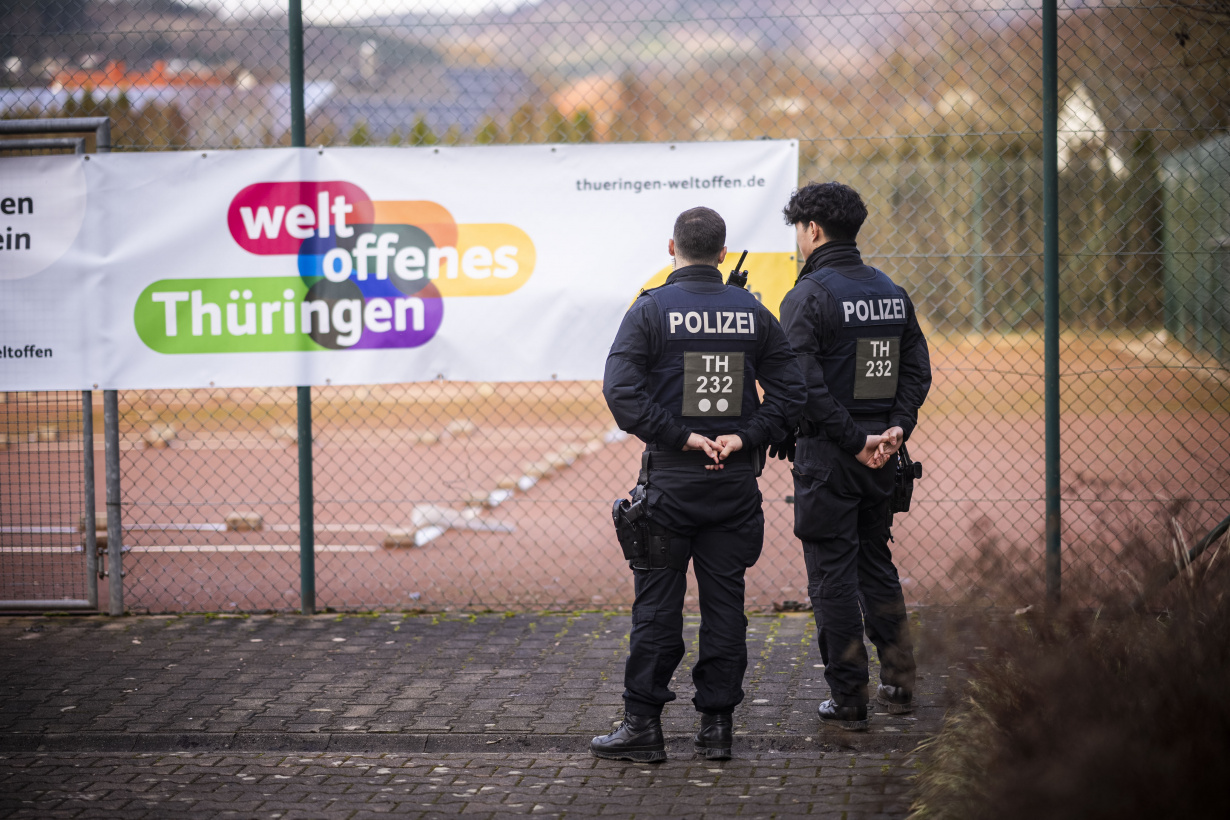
[{"x": 245, "y": 315}]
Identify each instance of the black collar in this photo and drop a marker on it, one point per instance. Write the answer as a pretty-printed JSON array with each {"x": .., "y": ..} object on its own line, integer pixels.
[
  {"x": 833, "y": 255},
  {"x": 695, "y": 273}
]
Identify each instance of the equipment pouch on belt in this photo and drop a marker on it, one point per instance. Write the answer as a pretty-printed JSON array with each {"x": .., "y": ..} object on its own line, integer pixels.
[
  {"x": 666, "y": 550},
  {"x": 903, "y": 484}
]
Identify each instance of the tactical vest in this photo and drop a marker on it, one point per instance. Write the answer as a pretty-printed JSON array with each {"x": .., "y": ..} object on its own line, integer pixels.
[
  {"x": 706, "y": 373},
  {"x": 862, "y": 368}
]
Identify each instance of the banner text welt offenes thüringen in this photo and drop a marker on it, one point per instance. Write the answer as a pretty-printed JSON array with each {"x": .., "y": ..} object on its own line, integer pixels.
[{"x": 352, "y": 266}]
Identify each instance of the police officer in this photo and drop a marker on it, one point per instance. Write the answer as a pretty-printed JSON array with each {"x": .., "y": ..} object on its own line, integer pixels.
[
  {"x": 681, "y": 375},
  {"x": 867, "y": 369}
]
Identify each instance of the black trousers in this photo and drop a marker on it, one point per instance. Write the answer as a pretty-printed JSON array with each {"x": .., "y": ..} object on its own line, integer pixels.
[
  {"x": 841, "y": 515},
  {"x": 718, "y": 512}
]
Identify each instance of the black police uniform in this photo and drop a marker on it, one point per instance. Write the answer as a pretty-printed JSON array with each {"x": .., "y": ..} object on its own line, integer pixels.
[
  {"x": 686, "y": 359},
  {"x": 867, "y": 369}
]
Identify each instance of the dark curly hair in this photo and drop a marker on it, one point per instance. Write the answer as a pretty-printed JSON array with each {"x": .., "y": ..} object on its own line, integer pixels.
[{"x": 836, "y": 208}]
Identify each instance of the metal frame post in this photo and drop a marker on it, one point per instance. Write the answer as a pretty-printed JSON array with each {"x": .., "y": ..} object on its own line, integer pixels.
[
  {"x": 115, "y": 543},
  {"x": 307, "y": 517},
  {"x": 1050, "y": 266},
  {"x": 75, "y": 143},
  {"x": 101, "y": 126},
  {"x": 91, "y": 519},
  {"x": 115, "y": 538}
]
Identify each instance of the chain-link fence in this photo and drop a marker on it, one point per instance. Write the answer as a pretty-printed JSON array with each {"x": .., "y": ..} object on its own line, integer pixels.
[
  {"x": 447, "y": 494},
  {"x": 43, "y": 540},
  {"x": 47, "y": 557}
]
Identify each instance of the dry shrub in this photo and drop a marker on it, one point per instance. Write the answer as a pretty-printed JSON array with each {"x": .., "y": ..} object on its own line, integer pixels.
[
  {"x": 1085, "y": 715},
  {"x": 1115, "y": 536}
]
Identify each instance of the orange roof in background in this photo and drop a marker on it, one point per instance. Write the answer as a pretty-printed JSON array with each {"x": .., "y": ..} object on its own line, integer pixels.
[{"x": 116, "y": 75}]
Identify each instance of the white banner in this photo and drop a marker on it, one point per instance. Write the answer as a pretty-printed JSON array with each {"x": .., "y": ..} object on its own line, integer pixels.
[{"x": 358, "y": 265}]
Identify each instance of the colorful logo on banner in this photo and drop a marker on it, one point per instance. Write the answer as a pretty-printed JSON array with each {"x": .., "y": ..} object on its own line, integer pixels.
[{"x": 368, "y": 274}]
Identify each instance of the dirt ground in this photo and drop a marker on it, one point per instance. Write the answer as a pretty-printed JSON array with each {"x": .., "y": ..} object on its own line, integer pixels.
[{"x": 1145, "y": 456}]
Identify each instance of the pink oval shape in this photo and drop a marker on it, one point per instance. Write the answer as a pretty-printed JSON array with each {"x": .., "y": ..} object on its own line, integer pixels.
[{"x": 271, "y": 218}]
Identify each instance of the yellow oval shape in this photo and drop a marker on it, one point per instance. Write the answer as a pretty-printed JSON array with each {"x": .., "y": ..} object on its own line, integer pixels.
[
  {"x": 431, "y": 217},
  {"x": 492, "y": 260},
  {"x": 771, "y": 275}
]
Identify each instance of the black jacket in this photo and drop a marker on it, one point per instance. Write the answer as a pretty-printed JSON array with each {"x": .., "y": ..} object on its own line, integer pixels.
[
  {"x": 637, "y": 346},
  {"x": 810, "y": 319}
]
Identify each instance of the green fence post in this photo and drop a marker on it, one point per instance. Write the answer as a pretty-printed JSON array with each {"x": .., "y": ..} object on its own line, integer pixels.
[
  {"x": 978, "y": 267},
  {"x": 1050, "y": 266},
  {"x": 307, "y": 517}
]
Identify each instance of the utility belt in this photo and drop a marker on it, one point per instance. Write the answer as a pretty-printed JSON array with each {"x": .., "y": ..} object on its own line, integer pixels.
[
  {"x": 687, "y": 459},
  {"x": 874, "y": 423}
]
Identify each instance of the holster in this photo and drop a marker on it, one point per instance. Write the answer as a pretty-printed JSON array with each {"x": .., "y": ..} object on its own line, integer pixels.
[
  {"x": 646, "y": 544},
  {"x": 908, "y": 472},
  {"x": 631, "y": 527}
]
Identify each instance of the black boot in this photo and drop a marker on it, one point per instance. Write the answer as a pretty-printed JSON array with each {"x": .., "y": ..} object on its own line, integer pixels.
[
  {"x": 850, "y": 718},
  {"x": 638, "y": 738},
  {"x": 898, "y": 699},
  {"x": 714, "y": 738}
]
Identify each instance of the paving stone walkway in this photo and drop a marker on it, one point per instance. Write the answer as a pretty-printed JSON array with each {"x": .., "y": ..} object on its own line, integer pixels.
[
  {"x": 309, "y": 786},
  {"x": 422, "y": 715}
]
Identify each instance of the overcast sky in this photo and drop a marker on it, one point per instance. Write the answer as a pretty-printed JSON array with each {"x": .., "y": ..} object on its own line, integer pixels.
[{"x": 326, "y": 10}]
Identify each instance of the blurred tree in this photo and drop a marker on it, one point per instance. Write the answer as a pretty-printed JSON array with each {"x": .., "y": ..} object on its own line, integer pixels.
[
  {"x": 89, "y": 106},
  {"x": 553, "y": 127},
  {"x": 452, "y": 136},
  {"x": 320, "y": 131},
  {"x": 421, "y": 133},
  {"x": 488, "y": 132},
  {"x": 521, "y": 125},
  {"x": 581, "y": 127},
  {"x": 395, "y": 137},
  {"x": 627, "y": 126},
  {"x": 360, "y": 135}
]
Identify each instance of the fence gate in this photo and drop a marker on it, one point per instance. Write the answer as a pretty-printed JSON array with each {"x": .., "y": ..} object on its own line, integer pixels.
[{"x": 49, "y": 545}]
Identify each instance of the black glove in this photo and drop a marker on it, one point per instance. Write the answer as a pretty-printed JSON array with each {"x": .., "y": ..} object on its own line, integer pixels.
[{"x": 783, "y": 449}]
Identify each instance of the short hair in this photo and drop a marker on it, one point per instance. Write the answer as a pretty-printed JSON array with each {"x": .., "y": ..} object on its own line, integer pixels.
[
  {"x": 836, "y": 208},
  {"x": 700, "y": 235}
]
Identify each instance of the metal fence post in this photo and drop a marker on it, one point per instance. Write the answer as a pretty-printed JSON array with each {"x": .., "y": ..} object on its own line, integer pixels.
[
  {"x": 115, "y": 544},
  {"x": 102, "y": 145},
  {"x": 298, "y": 127},
  {"x": 307, "y": 518},
  {"x": 978, "y": 251},
  {"x": 91, "y": 519},
  {"x": 1050, "y": 265}
]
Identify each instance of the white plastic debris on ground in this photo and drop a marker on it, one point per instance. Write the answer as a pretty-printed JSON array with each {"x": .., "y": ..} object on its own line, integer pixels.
[{"x": 431, "y": 521}]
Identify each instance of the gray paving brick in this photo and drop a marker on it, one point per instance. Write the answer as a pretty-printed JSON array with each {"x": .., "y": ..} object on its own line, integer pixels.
[{"x": 510, "y": 703}]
